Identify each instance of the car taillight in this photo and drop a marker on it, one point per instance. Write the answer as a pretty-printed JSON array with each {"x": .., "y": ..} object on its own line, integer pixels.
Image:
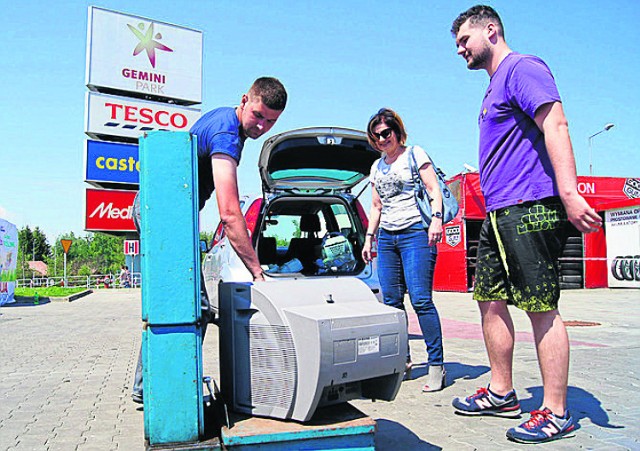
[
  {"x": 365, "y": 224},
  {"x": 252, "y": 215},
  {"x": 362, "y": 214},
  {"x": 218, "y": 235},
  {"x": 251, "y": 218}
]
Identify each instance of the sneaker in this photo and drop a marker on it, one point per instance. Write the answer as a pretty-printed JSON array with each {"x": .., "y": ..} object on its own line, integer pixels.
[
  {"x": 484, "y": 402},
  {"x": 137, "y": 398},
  {"x": 543, "y": 426}
]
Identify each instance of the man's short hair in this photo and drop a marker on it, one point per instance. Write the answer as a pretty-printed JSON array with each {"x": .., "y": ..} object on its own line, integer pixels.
[
  {"x": 271, "y": 91},
  {"x": 479, "y": 14}
]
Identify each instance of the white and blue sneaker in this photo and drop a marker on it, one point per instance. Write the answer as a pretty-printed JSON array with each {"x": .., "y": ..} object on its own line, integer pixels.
[
  {"x": 485, "y": 402},
  {"x": 543, "y": 426}
]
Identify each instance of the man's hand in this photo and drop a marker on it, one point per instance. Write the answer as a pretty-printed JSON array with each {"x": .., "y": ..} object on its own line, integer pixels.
[
  {"x": 552, "y": 122},
  {"x": 581, "y": 215}
]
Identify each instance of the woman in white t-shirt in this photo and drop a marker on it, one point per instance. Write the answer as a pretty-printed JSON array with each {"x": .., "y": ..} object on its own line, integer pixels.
[{"x": 406, "y": 250}]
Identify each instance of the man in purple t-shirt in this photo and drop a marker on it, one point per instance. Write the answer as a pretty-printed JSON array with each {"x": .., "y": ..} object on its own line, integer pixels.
[{"x": 528, "y": 178}]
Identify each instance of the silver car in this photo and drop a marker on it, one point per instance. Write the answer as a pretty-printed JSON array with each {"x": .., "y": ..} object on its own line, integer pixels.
[{"x": 307, "y": 223}]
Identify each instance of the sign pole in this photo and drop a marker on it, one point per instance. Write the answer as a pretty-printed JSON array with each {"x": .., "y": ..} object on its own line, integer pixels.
[
  {"x": 132, "y": 248},
  {"x": 66, "y": 245}
]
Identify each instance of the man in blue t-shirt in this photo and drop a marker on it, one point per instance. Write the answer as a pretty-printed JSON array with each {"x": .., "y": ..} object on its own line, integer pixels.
[
  {"x": 221, "y": 134},
  {"x": 528, "y": 178}
]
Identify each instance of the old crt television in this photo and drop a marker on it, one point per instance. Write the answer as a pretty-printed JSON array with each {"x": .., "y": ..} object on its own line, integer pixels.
[{"x": 290, "y": 347}]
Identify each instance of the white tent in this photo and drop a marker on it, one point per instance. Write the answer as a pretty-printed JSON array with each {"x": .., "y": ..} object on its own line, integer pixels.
[{"x": 8, "y": 261}]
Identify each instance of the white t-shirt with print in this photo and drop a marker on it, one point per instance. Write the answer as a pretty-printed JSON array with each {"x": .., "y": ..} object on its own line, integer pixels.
[{"x": 394, "y": 185}]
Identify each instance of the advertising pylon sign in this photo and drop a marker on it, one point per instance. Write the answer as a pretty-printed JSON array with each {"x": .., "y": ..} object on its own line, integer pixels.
[{"x": 8, "y": 261}]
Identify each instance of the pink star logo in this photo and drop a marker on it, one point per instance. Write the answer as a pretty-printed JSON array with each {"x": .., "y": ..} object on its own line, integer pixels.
[{"x": 147, "y": 42}]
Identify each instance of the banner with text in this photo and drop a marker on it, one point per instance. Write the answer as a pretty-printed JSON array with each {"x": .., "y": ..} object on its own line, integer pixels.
[
  {"x": 623, "y": 247},
  {"x": 8, "y": 261}
]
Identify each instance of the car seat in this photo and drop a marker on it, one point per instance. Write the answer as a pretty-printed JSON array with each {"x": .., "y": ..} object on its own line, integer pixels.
[
  {"x": 304, "y": 249},
  {"x": 267, "y": 250}
]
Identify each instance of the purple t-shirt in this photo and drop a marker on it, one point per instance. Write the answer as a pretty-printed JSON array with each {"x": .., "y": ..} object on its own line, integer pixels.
[
  {"x": 514, "y": 163},
  {"x": 218, "y": 131}
]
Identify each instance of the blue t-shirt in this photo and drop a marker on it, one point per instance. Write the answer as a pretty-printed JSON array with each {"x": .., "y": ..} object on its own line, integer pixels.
[
  {"x": 514, "y": 163},
  {"x": 218, "y": 131}
]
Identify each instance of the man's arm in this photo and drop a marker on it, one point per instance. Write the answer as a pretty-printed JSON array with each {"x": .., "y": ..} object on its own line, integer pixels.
[
  {"x": 552, "y": 122},
  {"x": 225, "y": 176}
]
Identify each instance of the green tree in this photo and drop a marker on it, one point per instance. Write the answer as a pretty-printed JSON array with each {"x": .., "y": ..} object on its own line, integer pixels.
[
  {"x": 55, "y": 261},
  {"x": 93, "y": 253},
  {"x": 207, "y": 237},
  {"x": 25, "y": 237},
  {"x": 32, "y": 246},
  {"x": 106, "y": 252},
  {"x": 40, "y": 245},
  {"x": 84, "y": 271},
  {"x": 296, "y": 232}
]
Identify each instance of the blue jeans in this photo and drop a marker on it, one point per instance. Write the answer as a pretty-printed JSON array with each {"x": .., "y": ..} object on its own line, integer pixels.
[{"x": 406, "y": 262}]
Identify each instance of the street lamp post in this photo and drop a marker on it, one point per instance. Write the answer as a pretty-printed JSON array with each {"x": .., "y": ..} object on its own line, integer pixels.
[{"x": 607, "y": 127}]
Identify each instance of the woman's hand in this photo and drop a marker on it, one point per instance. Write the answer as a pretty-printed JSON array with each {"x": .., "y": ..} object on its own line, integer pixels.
[
  {"x": 366, "y": 250},
  {"x": 435, "y": 231}
]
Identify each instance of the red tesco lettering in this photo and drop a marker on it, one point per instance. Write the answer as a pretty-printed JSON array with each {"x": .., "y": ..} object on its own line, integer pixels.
[{"x": 162, "y": 118}]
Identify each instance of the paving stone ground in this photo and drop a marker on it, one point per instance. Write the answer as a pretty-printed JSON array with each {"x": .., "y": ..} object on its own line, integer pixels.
[{"x": 66, "y": 371}]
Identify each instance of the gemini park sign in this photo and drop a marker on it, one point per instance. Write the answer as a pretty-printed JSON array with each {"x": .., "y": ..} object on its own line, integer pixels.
[
  {"x": 143, "y": 57},
  {"x": 143, "y": 75}
]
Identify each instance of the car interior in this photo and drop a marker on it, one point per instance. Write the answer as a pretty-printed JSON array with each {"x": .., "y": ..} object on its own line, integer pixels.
[{"x": 304, "y": 228}]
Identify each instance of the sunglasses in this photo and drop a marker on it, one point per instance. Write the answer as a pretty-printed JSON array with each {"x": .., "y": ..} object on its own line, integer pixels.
[{"x": 384, "y": 134}]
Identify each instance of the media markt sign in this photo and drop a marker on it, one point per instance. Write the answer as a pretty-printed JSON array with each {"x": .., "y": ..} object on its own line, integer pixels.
[
  {"x": 109, "y": 210},
  {"x": 149, "y": 58}
]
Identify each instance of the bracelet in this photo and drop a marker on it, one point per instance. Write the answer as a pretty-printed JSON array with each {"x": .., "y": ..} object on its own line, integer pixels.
[{"x": 369, "y": 234}]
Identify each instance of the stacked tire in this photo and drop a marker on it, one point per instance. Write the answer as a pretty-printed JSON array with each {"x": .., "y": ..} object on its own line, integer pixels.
[
  {"x": 472, "y": 258},
  {"x": 572, "y": 264}
]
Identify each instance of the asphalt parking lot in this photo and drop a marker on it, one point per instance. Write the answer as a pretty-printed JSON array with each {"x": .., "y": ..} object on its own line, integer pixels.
[{"x": 66, "y": 371}]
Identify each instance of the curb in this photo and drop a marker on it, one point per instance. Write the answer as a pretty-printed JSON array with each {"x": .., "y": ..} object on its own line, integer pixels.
[
  {"x": 72, "y": 297},
  {"x": 22, "y": 300}
]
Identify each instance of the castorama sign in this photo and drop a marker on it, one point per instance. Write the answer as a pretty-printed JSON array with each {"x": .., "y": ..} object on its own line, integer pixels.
[
  {"x": 109, "y": 210},
  {"x": 108, "y": 162},
  {"x": 143, "y": 57}
]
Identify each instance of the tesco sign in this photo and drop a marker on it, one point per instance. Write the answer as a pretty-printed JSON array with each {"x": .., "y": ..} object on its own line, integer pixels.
[
  {"x": 109, "y": 210},
  {"x": 112, "y": 116}
]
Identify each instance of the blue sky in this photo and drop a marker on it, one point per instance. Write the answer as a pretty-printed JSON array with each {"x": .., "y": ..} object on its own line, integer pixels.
[{"x": 340, "y": 60}]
